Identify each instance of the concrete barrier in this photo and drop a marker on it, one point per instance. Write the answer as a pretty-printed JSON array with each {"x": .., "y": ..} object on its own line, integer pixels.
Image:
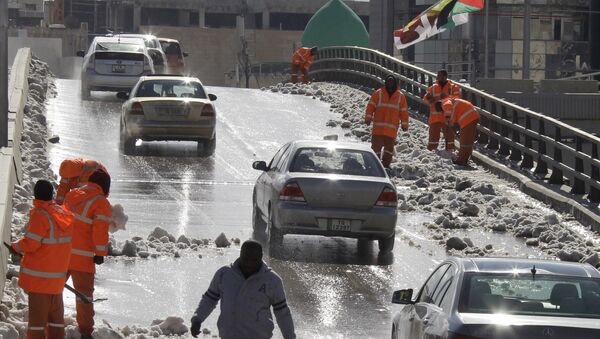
[{"x": 10, "y": 157}]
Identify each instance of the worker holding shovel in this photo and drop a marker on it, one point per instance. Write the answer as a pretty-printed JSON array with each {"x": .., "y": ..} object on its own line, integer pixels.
[{"x": 46, "y": 250}]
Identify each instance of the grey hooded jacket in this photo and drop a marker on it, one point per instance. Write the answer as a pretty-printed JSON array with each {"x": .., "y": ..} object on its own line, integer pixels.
[{"x": 246, "y": 304}]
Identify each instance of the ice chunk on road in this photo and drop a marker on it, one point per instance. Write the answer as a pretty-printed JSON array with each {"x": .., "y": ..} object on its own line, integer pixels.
[
  {"x": 8, "y": 331},
  {"x": 222, "y": 241},
  {"x": 119, "y": 219},
  {"x": 173, "y": 326}
]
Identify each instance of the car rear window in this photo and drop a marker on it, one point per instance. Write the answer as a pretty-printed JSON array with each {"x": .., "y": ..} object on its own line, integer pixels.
[
  {"x": 544, "y": 295},
  {"x": 119, "y": 47},
  {"x": 336, "y": 161},
  {"x": 171, "y": 88},
  {"x": 171, "y": 48}
]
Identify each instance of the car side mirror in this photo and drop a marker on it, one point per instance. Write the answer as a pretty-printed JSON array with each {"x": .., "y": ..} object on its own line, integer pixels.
[
  {"x": 212, "y": 97},
  {"x": 122, "y": 95},
  {"x": 80, "y": 54},
  {"x": 260, "y": 166},
  {"x": 403, "y": 297},
  {"x": 185, "y": 54}
]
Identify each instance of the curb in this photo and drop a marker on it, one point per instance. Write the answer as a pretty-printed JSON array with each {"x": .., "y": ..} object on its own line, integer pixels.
[{"x": 10, "y": 157}]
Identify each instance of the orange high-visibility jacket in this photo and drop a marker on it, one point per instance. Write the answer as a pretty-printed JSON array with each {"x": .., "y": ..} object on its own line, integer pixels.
[
  {"x": 46, "y": 249},
  {"x": 434, "y": 93},
  {"x": 460, "y": 112},
  {"x": 386, "y": 112},
  {"x": 93, "y": 215},
  {"x": 73, "y": 173},
  {"x": 303, "y": 58}
]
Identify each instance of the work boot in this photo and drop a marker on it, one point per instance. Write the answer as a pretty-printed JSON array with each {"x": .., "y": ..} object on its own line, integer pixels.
[{"x": 86, "y": 336}]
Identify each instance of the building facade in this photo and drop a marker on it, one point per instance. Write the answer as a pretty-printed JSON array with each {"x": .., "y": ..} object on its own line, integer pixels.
[
  {"x": 22, "y": 13},
  {"x": 564, "y": 38}
]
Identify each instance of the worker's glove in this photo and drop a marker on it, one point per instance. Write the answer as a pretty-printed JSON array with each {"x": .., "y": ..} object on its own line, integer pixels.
[
  {"x": 98, "y": 260},
  {"x": 195, "y": 329}
]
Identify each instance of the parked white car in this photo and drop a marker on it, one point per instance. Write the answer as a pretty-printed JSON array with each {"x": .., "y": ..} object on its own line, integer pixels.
[
  {"x": 114, "y": 64},
  {"x": 159, "y": 58},
  {"x": 169, "y": 108}
]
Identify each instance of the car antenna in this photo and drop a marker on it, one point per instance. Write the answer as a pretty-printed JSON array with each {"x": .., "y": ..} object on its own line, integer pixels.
[{"x": 533, "y": 272}]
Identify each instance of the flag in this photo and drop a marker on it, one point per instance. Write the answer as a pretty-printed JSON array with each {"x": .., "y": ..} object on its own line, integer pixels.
[{"x": 441, "y": 16}]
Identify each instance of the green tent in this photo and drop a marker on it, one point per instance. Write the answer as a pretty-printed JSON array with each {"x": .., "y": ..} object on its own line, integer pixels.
[{"x": 335, "y": 24}]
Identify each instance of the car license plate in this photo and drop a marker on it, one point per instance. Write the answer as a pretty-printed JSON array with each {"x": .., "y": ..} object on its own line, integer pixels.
[
  {"x": 118, "y": 68},
  {"x": 343, "y": 225},
  {"x": 168, "y": 111}
]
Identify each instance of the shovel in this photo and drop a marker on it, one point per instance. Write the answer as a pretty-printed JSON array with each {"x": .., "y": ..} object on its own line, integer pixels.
[{"x": 78, "y": 294}]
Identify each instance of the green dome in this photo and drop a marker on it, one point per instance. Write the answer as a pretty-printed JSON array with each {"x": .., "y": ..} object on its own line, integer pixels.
[{"x": 335, "y": 24}]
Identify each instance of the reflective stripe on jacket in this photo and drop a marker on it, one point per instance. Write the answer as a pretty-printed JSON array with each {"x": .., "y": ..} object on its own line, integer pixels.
[
  {"x": 93, "y": 214},
  {"x": 73, "y": 173},
  {"x": 303, "y": 58},
  {"x": 246, "y": 304},
  {"x": 460, "y": 112},
  {"x": 387, "y": 112},
  {"x": 46, "y": 249},
  {"x": 434, "y": 93}
]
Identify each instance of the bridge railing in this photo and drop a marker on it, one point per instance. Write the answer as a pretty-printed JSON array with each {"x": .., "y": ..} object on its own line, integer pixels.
[{"x": 535, "y": 142}]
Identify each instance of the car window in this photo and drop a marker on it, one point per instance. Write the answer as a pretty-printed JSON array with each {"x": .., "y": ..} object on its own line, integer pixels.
[
  {"x": 277, "y": 156},
  {"x": 546, "y": 295},
  {"x": 336, "y": 161},
  {"x": 428, "y": 290},
  {"x": 118, "y": 47},
  {"x": 443, "y": 295},
  {"x": 171, "y": 88},
  {"x": 171, "y": 48},
  {"x": 283, "y": 160}
]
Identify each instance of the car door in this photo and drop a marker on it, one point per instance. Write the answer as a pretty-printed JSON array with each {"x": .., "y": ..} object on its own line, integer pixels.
[
  {"x": 415, "y": 316},
  {"x": 266, "y": 179}
]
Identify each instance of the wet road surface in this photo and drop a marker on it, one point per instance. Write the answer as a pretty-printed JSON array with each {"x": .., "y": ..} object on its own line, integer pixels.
[{"x": 337, "y": 288}]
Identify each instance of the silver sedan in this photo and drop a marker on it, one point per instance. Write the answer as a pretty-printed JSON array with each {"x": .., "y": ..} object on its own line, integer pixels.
[
  {"x": 325, "y": 188},
  {"x": 471, "y": 298}
]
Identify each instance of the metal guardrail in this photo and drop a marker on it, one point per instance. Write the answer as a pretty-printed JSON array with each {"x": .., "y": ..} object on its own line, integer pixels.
[
  {"x": 539, "y": 143},
  {"x": 585, "y": 76}
]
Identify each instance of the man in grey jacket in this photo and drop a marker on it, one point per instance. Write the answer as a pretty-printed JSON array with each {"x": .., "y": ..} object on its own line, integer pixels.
[{"x": 248, "y": 289}]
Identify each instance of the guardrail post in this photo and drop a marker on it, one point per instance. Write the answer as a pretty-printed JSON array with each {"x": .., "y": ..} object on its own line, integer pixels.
[
  {"x": 504, "y": 149},
  {"x": 515, "y": 153},
  {"x": 557, "y": 175},
  {"x": 541, "y": 169},
  {"x": 578, "y": 184},
  {"x": 527, "y": 162},
  {"x": 485, "y": 122},
  {"x": 594, "y": 195},
  {"x": 493, "y": 142}
]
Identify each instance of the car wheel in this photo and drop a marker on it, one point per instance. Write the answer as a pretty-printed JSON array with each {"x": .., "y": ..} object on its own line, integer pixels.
[
  {"x": 387, "y": 244},
  {"x": 258, "y": 224},
  {"x": 85, "y": 92},
  {"x": 207, "y": 148},
  {"x": 274, "y": 235},
  {"x": 127, "y": 142}
]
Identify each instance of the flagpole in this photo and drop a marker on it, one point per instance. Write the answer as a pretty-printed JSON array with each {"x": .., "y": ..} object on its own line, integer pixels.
[
  {"x": 526, "y": 39},
  {"x": 486, "y": 23}
]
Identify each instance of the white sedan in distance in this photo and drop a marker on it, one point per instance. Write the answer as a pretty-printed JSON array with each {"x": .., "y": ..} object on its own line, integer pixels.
[{"x": 168, "y": 108}]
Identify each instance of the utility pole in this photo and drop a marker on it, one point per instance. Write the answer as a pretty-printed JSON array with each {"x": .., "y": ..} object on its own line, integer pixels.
[
  {"x": 526, "y": 39},
  {"x": 3, "y": 73},
  {"x": 486, "y": 28}
]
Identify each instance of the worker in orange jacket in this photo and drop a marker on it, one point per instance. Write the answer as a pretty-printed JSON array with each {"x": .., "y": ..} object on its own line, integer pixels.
[
  {"x": 462, "y": 113},
  {"x": 302, "y": 59},
  {"x": 93, "y": 214},
  {"x": 442, "y": 89},
  {"x": 73, "y": 173},
  {"x": 46, "y": 248},
  {"x": 386, "y": 109}
]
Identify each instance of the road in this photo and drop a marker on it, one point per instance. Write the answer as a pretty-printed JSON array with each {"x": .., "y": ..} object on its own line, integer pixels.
[{"x": 337, "y": 288}]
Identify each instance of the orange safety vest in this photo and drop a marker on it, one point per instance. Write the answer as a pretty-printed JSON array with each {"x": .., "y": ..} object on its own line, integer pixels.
[
  {"x": 303, "y": 58},
  {"x": 386, "y": 112},
  {"x": 46, "y": 249},
  {"x": 460, "y": 112},
  {"x": 73, "y": 173},
  {"x": 434, "y": 93},
  {"x": 93, "y": 214}
]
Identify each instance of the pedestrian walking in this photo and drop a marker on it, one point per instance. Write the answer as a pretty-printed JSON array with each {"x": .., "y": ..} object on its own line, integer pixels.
[
  {"x": 93, "y": 215},
  {"x": 464, "y": 114},
  {"x": 386, "y": 109},
  {"x": 442, "y": 89},
  {"x": 46, "y": 248},
  {"x": 247, "y": 290}
]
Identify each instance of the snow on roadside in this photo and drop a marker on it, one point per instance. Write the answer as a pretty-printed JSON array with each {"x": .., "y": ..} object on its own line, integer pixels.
[{"x": 457, "y": 197}]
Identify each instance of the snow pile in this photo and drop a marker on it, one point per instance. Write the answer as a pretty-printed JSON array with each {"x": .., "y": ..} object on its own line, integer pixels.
[
  {"x": 119, "y": 219},
  {"x": 457, "y": 197}
]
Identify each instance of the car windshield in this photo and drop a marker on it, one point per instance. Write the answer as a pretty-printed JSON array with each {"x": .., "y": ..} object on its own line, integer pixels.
[
  {"x": 546, "y": 295},
  {"x": 119, "y": 47},
  {"x": 170, "y": 48},
  {"x": 171, "y": 88},
  {"x": 336, "y": 161}
]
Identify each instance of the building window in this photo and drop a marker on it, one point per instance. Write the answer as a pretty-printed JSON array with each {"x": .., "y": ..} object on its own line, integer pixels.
[
  {"x": 557, "y": 29},
  {"x": 504, "y": 28},
  {"x": 30, "y": 7}
]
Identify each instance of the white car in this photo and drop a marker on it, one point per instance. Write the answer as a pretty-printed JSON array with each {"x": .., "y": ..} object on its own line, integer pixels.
[
  {"x": 154, "y": 49},
  {"x": 168, "y": 108},
  {"x": 114, "y": 64}
]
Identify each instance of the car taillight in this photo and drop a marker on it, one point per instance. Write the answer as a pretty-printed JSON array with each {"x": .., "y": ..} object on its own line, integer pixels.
[
  {"x": 292, "y": 192},
  {"x": 387, "y": 198},
  {"x": 137, "y": 109},
  {"x": 208, "y": 111}
]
